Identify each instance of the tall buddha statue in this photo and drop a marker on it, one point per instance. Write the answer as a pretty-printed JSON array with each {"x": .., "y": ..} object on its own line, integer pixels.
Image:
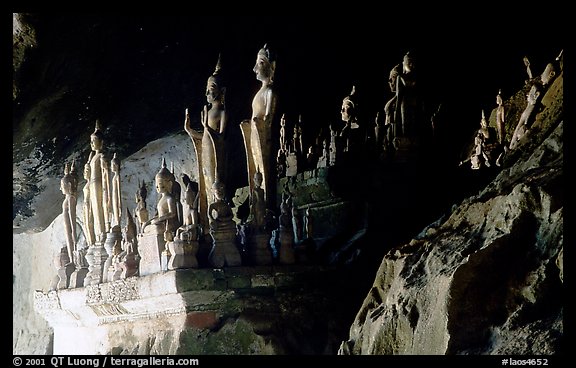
[
  {"x": 88, "y": 217},
  {"x": 210, "y": 143},
  {"x": 68, "y": 187},
  {"x": 96, "y": 184},
  {"x": 257, "y": 132}
]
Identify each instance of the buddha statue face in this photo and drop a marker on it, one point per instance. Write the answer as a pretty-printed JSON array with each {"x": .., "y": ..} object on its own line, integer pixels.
[
  {"x": 219, "y": 191},
  {"x": 163, "y": 184},
  {"x": 263, "y": 68},
  {"x": 66, "y": 185},
  {"x": 408, "y": 63},
  {"x": 258, "y": 179},
  {"x": 483, "y": 123},
  {"x": 347, "y": 110},
  {"x": 96, "y": 142},
  {"x": 213, "y": 92},
  {"x": 498, "y": 99}
]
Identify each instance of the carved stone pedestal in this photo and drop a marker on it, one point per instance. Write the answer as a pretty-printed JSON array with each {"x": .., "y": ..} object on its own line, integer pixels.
[
  {"x": 96, "y": 257},
  {"x": 183, "y": 254},
  {"x": 259, "y": 251},
  {"x": 130, "y": 265},
  {"x": 224, "y": 251},
  {"x": 113, "y": 247},
  {"x": 406, "y": 149},
  {"x": 65, "y": 269},
  {"x": 150, "y": 247},
  {"x": 78, "y": 276},
  {"x": 286, "y": 252}
]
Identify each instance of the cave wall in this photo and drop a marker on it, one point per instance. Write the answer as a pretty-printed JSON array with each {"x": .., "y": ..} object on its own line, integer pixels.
[{"x": 486, "y": 279}]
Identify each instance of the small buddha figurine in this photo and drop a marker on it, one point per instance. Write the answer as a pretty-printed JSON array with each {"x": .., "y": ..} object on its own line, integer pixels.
[
  {"x": 190, "y": 206},
  {"x": 190, "y": 214},
  {"x": 141, "y": 211},
  {"x": 283, "y": 133},
  {"x": 257, "y": 216},
  {"x": 500, "y": 119},
  {"x": 166, "y": 219},
  {"x": 219, "y": 211}
]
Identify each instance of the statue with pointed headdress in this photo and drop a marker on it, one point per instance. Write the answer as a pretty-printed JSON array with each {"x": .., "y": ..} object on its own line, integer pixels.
[
  {"x": 166, "y": 219},
  {"x": 68, "y": 186},
  {"x": 257, "y": 132},
  {"x": 209, "y": 144},
  {"x": 97, "y": 184}
]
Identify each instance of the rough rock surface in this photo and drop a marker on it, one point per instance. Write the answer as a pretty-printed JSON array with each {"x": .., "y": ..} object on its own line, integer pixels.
[{"x": 485, "y": 279}]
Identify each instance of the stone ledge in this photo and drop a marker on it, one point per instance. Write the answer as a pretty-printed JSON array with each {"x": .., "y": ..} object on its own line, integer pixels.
[{"x": 167, "y": 293}]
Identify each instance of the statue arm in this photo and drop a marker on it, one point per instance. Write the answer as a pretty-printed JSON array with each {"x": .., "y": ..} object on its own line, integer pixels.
[
  {"x": 223, "y": 121},
  {"x": 270, "y": 105},
  {"x": 188, "y": 128}
]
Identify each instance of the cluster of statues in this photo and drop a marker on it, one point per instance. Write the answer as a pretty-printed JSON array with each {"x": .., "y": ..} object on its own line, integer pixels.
[
  {"x": 202, "y": 216},
  {"x": 491, "y": 145}
]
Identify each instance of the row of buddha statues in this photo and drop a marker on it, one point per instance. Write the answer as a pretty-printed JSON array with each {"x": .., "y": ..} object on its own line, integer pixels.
[
  {"x": 183, "y": 224},
  {"x": 490, "y": 144}
]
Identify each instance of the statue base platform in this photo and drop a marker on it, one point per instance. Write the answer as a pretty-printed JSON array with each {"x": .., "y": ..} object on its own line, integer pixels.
[
  {"x": 77, "y": 277},
  {"x": 183, "y": 311},
  {"x": 224, "y": 251},
  {"x": 259, "y": 251},
  {"x": 96, "y": 257},
  {"x": 183, "y": 254},
  {"x": 286, "y": 251},
  {"x": 130, "y": 265},
  {"x": 65, "y": 269},
  {"x": 150, "y": 247}
]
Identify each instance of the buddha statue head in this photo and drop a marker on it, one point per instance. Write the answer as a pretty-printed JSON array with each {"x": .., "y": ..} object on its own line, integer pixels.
[
  {"x": 215, "y": 90},
  {"x": 164, "y": 179},
  {"x": 258, "y": 179},
  {"x": 219, "y": 190},
  {"x": 348, "y": 106},
  {"x": 97, "y": 138},
  {"x": 67, "y": 181},
  {"x": 408, "y": 63},
  {"x": 115, "y": 164},
  {"x": 499, "y": 97},
  {"x": 265, "y": 65}
]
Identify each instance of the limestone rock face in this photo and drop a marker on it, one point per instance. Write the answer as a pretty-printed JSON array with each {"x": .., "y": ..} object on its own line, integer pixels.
[{"x": 486, "y": 279}]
